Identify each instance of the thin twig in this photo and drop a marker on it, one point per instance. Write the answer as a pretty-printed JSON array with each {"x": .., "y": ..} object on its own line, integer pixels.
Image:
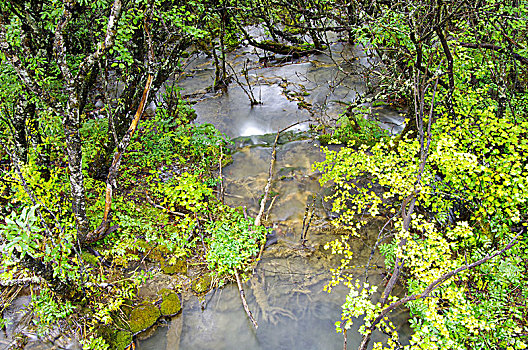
[
  {"x": 305, "y": 231},
  {"x": 271, "y": 205},
  {"x": 244, "y": 302}
]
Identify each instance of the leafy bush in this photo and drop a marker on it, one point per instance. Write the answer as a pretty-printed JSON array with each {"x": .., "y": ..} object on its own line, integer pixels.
[{"x": 233, "y": 242}]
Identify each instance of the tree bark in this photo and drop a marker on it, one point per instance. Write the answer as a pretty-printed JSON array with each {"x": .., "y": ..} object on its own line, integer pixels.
[{"x": 74, "y": 85}]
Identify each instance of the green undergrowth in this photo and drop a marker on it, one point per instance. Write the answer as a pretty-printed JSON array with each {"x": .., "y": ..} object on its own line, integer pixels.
[
  {"x": 353, "y": 128},
  {"x": 165, "y": 211}
]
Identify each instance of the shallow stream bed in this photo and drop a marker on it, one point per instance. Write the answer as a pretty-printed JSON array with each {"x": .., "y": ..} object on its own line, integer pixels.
[{"x": 285, "y": 293}]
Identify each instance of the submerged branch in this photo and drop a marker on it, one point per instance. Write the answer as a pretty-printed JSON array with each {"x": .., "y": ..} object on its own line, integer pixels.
[
  {"x": 268, "y": 184},
  {"x": 244, "y": 302}
]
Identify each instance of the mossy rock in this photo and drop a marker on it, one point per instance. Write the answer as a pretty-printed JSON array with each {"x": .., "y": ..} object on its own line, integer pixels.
[
  {"x": 325, "y": 139},
  {"x": 170, "y": 302},
  {"x": 144, "y": 246},
  {"x": 142, "y": 317},
  {"x": 158, "y": 253},
  {"x": 90, "y": 258},
  {"x": 171, "y": 266},
  {"x": 202, "y": 284},
  {"x": 116, "y": 340},
  {"x": 122, "y": 340}
]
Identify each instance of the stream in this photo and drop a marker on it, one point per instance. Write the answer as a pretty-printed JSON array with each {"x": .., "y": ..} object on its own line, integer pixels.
[{"x": 285, "y": 293}]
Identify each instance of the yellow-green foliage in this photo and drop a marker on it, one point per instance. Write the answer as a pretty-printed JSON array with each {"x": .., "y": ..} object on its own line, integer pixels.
[
  {"x": 471, "y": 199},
  {"x": 471, "y": 196}
]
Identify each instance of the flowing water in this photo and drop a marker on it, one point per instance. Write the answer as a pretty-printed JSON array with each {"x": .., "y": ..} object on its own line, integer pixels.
[{"x": 285, "y": 293}]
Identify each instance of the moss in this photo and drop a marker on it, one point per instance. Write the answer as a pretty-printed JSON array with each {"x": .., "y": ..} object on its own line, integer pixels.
[
  {"x": 143, "y": 317},
  {"x": 172, "y": 266},
  {"x": 324, "y": 139},
  {"x": 158, "y": 253},
  {"x": 117, "y": 340},
  {"x": 89, "y": 258},
  {"x": 226, "y": 160},
  {"x": 303, "y": 104},
  {"x": 170, "y": 302},
  {"x": 144, "y": 246},
  {"x": 202, "y": 284},
  {"x": 122, "y": 340}
]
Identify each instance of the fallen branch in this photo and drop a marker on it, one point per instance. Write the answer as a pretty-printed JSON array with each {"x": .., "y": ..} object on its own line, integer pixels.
[
  {"x": 244, "y": 302},
  {"x": 268, "y": 184},
  {"x": 270, "y": 173},
  {"x": 307, "y": 227},
  {"x": 278, "y": 48},
  {"x": 497, "y": 48},
  {"x": 21, "y": 281},
  {"x": 271, "y": 205}
]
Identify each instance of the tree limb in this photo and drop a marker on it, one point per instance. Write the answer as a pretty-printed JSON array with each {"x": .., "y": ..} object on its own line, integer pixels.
[
  {"x": 500, "y": 49},
  {"x": 101, "y": 231}
]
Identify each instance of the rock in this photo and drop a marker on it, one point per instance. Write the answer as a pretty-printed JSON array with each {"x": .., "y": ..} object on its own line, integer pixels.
[
  {"x": 172, "y": 266},
  {"x": 150, "y": 110},
  {"x": 117, "y": 340},
  {"x": 202, "y": 284},
  {"x": 99, "y": 104},
  {"x": 170, "y": 302},
  {"x": 271, "y": 238},
  {"x": 143, "y": 317},
  {"x": 174, "y": 333}
]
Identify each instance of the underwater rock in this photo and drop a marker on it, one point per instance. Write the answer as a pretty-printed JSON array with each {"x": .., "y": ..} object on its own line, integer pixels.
[
  {"x": 271, "y": 238},
  {"x": 143, "y": 317}
]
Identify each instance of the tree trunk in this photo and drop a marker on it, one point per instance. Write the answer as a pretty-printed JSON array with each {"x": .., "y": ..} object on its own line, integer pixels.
[
  {"x": 19, "y": 129},
  {"x": 71, "y": 124}
]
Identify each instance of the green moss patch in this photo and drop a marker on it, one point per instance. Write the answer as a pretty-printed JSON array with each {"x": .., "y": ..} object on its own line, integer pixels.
[
  {"x": 122, "y": 340},
  {"x": 202, "y": 284},
  {"x": 117, "y": 340},
  {"x": 172, "y": 266},
  {"x": 90, "y": 258},
  {"x": 143, "y": 317},
  {"x": 170, "y": 302}
]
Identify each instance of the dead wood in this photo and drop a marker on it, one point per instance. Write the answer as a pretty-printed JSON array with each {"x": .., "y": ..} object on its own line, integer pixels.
[{"x": 244, "y": 302}]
